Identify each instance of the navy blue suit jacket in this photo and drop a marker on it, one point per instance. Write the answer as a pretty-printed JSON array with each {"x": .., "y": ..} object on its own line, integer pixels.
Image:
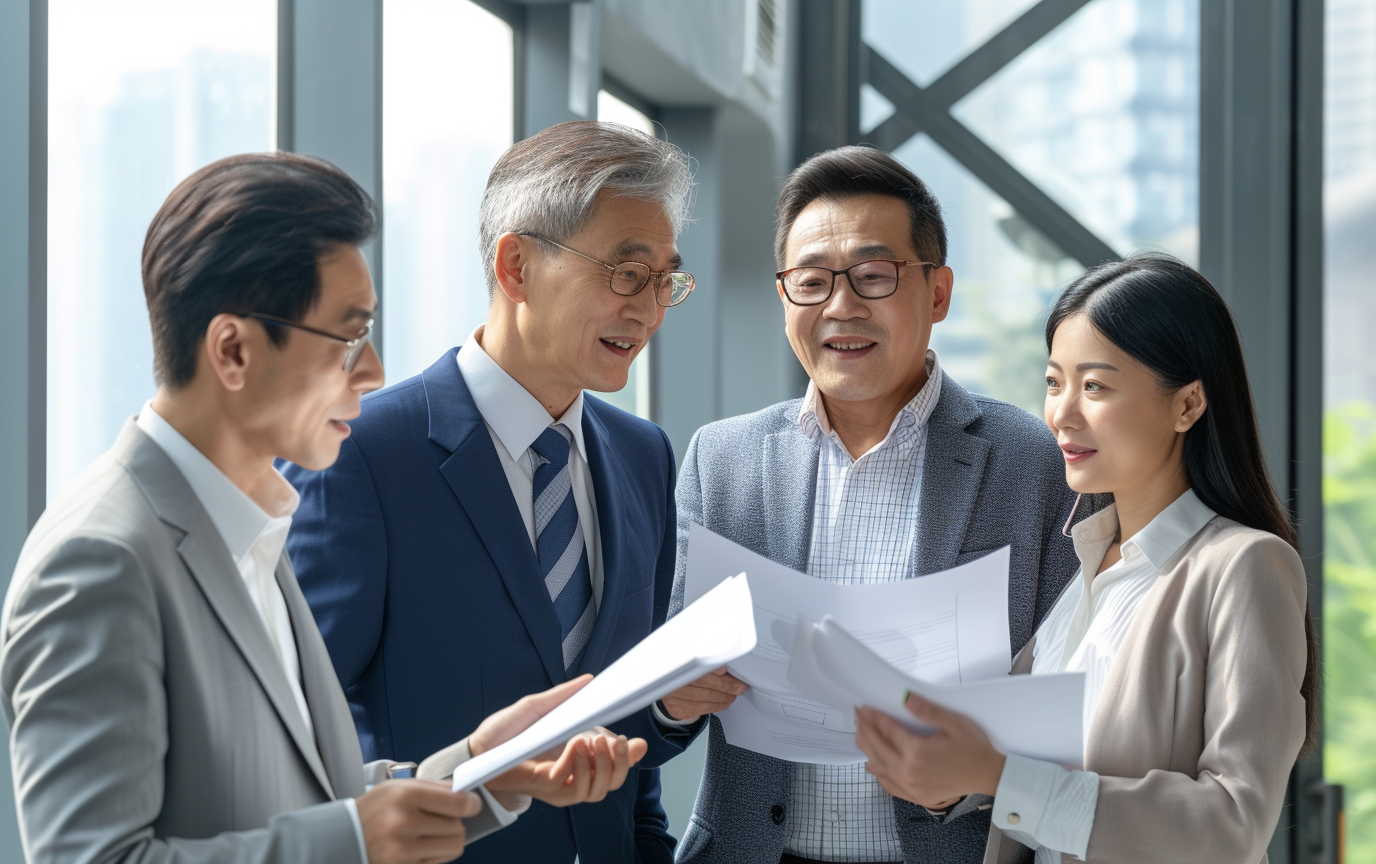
[{"x": 420, "y": 572}]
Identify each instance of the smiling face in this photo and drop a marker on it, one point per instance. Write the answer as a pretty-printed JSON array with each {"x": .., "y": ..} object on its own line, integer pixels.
[
  {"x": 859, "y": 350},
  {"x": 297, "y": 400},
  {"x": 576, "y": 333},
  {"x": 1118, "y": 430}
]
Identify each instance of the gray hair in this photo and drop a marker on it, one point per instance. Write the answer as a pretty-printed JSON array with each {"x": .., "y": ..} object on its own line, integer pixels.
[{"x": 548, "y": 183}]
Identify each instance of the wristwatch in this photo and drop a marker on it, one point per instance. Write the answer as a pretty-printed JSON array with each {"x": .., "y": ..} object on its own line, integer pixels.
[{"x": 401, "y": 771}]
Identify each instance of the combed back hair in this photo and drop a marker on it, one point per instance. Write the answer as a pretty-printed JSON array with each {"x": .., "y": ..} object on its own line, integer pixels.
[
  {"x": 548, "y": 183},
  {"x": 244, "y": 234},
  {"x": 1168, "y": 317},
  {"x": 846, "y": 172}
]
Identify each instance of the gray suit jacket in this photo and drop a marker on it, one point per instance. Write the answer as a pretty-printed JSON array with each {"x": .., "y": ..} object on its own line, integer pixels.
[
  {"x": 992, "y": 477},
  {"x": 151, "y": 719}
]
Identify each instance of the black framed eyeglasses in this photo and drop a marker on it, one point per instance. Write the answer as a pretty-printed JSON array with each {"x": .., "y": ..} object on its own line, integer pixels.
[
  {"x": 872, "y": 280},
  {"x": 353, "y": 348},
  {"x": 629, "y": 278}
]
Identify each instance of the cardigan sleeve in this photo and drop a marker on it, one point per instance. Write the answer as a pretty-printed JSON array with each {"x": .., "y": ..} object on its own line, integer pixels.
[{"x": 1254, "y": 726}]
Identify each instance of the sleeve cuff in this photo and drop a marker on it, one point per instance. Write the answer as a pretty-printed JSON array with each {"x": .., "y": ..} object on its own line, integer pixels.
[
  {"x": 352, "y": 806},
  {"x": 1041, "y": 804},
  {"x": 662, "y": 717}
]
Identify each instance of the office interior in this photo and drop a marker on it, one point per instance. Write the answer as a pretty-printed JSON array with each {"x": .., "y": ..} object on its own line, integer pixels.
[{"x": 1239, "y": 135}]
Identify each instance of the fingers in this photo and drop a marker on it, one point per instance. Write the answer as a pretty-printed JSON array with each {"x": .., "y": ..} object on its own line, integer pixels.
[
  {"x": 501, "y": 726},
  {"x": 709, "y": 694},
  {"x": 638, "y": 748},
  {"x": 931, "y": 713},
  {"x": 437, "y": 799},
  {"x": 604, "y": 769},
  {"x": 877, "y": 745},
  {"x": 543, "y": 703}
]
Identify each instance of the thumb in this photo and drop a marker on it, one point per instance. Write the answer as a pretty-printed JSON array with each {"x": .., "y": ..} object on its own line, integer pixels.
[
  {"x": 538, "y": 705},
  {"x": 638, "y": 749},
  {"x": 929, "y": 712}
]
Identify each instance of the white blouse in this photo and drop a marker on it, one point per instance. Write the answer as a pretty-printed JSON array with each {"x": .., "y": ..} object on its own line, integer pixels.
[{"x": 1043, "y": 805}]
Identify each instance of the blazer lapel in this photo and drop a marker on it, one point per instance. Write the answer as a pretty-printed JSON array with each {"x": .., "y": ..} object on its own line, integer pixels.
[
  {"x": 335, "y": 737},
  {"x": 607, "y": 469},
  {"x": 790, "y": 487},
  {"x": 475, "y": 474},
  {"x": 951, "y": 473},
  {"x": 209, "y": 562}
]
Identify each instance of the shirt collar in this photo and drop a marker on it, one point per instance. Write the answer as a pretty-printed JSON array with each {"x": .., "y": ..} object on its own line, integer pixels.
[
  {"x": 235, "y": 515},
  {"x": 514, "y": 414},
  {"x": 812, "y": 414},
  {"x": 1158, "y": 541}
]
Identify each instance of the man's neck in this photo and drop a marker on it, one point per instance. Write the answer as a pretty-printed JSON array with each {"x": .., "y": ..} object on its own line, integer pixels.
[
  {"x": 862, "y": 425},
  {"x": 203, "y": 422},
  {"x": 508, "y": 350}
]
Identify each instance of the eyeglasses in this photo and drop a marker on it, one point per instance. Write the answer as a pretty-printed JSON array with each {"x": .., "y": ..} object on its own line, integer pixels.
[
  {"x": 353, "y": 348},
  {"x": 628, "y": 278},
  {"x": 872, "y": 280}
]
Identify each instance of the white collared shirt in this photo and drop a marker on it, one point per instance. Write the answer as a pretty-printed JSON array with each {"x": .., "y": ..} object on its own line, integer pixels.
[
  {"x": 865, "y": 519},
  {"x": 514, "y": 419},
  {"x": 1084, "y": 632}
]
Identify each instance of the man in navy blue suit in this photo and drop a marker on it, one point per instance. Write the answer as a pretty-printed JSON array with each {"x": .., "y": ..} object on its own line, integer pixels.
[{"x": 490, "y": 530}]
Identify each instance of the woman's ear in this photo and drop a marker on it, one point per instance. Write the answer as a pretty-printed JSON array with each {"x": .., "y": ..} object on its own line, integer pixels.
[
  {"x": 1189, "y": 403},
  {"x": 227, "y": 350}
]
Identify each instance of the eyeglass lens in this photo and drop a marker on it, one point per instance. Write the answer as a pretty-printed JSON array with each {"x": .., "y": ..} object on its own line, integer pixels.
[
  {"x": 355, "y": 350},
  {"x": 630, "y": 277},
  {"x": 870, "y": 279}
]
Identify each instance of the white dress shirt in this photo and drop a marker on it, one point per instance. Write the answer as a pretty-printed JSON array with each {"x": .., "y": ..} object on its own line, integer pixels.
[
  {"x": 1043, "y": 805},
  {"x": 864, "y": 530},
  {"x": 514, "y": 419}
]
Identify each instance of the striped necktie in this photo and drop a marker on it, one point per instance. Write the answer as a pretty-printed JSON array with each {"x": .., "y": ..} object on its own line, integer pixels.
[{"x": 559, "y": 545}]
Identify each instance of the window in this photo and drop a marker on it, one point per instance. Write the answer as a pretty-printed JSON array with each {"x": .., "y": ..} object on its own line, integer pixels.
[
  {"x": 635, "y": 396},
  {"x": 447, "y": 118},
  {"x": 141, "y": 93},
  {"x": 1349, "y": 441}
]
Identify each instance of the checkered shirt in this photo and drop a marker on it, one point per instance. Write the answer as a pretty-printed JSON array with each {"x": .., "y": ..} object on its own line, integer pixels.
[{"x": 864, "y": 531}]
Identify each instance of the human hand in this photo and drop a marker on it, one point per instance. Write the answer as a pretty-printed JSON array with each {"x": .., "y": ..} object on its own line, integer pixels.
[
  {"x": 501, "y": 726},
  {"x": 711, "y": 693},
  {"x": 414, "y": 821},
  {"x": 933, "y": 770},
  {"x": 588, "y": 767}
]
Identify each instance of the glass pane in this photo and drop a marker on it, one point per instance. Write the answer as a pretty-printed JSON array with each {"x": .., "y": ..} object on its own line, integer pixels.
[
  {"x": 141, "y": 93},
  {"x": 635, "y": 396},
  {"x": 1102, "y": 114},
  {"x": 1006, "y": 276},
  {"x": 442, "y": 133},
  {"x": 926, "y": 37},
  {"x": 1350, "y": 416}
]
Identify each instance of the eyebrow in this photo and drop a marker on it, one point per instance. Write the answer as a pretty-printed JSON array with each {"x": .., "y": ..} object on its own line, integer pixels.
[
  {"x": 636, "y": 247},
  {"x": 359, "y": 313},
  {"x": 862, "y": 253},
  {"x": 1085, "y": 367}
]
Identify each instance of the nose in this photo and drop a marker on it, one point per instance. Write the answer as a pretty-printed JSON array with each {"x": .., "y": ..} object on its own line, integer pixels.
[
  {"x": 368, "y": 374},
  {"x": 1063, "y": 410},
  {"x": 844, "y": 303},
  {"x": 643, "y": 308}
]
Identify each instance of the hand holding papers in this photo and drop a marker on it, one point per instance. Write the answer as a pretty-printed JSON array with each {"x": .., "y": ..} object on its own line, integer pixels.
[
  {"x": 949, "y": 627},
  {"x": 1035, "y": 716},
  {"x": 713, "y": 631}
]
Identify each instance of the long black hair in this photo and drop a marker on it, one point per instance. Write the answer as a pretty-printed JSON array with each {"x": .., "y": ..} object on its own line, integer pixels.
[{"x": 1167, "y": 317}]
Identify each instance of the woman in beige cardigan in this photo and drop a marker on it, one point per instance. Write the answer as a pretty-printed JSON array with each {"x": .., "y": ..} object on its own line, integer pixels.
[{"x": 1188, "y": 617}]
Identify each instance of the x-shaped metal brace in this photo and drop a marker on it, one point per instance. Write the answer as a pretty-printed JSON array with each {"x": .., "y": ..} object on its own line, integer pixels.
[{"x": 928, "y": 109}]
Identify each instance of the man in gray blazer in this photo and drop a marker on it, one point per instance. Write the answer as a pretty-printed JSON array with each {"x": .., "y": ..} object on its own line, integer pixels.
[
  {"x": 887, "y": 469},
  {"x": 169, "y": 696}
]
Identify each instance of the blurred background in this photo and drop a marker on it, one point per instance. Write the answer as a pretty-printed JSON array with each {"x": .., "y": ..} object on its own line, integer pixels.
[{"x": 1240, "y": 136}]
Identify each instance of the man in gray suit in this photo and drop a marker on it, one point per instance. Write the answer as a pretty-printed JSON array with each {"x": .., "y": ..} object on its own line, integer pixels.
[
  {"x": 169, "y": 695},
  {"x": 887, "y": 469}
]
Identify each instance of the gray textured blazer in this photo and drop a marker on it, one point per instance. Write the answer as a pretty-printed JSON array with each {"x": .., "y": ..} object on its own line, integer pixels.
[
  {"x": 151, "y": 720},
  {"x": 992, "y": 477}
]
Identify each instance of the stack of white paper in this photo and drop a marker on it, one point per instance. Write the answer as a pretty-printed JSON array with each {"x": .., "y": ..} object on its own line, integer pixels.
[
  {"x": 1038, "y": 716},
  {"x": 715, "y": 630}
]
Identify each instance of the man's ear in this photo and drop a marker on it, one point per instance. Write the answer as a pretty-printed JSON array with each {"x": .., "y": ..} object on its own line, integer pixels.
[
  {"x": 228, "y": 349},
  {"x": 943, "y": 280},
  {"x": 511, "y": 265}
]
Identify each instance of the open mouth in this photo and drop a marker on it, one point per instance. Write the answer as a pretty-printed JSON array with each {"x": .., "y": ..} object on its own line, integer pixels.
[
  {"x": 620, "y": 347},
  {"x": 850, "y": 349}
]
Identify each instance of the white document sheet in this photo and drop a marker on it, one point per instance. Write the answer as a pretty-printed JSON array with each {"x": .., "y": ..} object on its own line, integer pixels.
[
  {"x": 1038, "y": 716},
  {"x": 710, "y": 633},
  {"x": 945, "y": 627}
]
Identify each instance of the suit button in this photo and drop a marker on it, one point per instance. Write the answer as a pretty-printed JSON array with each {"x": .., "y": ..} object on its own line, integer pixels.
[
  {"x": 776, "y": 814},
  {"x": 1014, "y": 818}
]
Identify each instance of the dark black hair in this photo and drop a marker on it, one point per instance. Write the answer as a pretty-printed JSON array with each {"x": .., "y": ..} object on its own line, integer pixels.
[
  {"x": 861, "y": 170},
  {"x": 244, "y": 234},
  {"x": 1167, "y": 316}
]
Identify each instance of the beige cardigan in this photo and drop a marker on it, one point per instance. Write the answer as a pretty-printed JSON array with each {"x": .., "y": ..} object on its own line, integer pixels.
[{"x": 1201, "y": 717}]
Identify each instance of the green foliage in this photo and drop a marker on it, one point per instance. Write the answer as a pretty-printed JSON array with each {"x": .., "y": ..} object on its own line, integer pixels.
[{"x": 1349, "y": 492}]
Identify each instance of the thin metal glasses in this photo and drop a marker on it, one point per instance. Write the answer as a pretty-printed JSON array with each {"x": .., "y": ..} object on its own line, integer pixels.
[
  {"x": 872, "y": 280},
  {"x": 353, "y": 348},
  {"x": 628, "y": 278}
]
